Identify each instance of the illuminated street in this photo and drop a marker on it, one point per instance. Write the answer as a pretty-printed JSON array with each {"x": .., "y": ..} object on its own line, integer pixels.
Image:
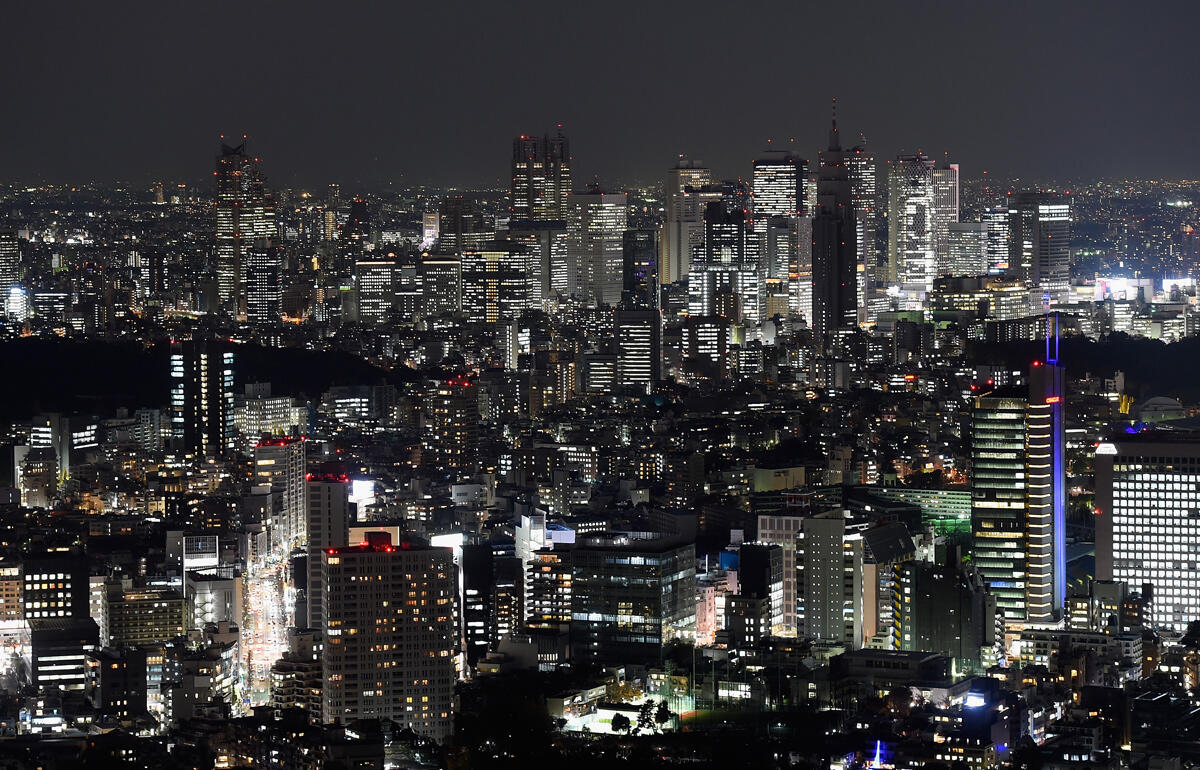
[{"x": 264, "y": 633}]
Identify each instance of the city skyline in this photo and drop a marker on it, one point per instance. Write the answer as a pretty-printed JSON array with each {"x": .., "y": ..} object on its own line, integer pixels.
[{"x": 1064, "y": 97}]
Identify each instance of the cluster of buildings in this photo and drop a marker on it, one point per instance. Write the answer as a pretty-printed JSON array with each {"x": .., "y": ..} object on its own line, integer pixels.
[{"x": 726, "y": 448}]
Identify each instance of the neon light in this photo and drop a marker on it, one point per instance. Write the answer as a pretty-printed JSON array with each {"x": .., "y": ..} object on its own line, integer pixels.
[{"x": 1053, "y": 399}]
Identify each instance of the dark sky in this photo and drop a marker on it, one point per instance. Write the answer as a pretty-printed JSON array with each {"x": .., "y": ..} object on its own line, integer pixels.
[{"x": 434, "y": 91}]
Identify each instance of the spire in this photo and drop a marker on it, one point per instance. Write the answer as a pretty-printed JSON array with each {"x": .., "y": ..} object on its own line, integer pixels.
[{"x": 834, "y": 144}]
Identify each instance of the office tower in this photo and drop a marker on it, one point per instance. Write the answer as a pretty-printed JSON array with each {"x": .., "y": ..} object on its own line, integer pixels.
[
  {"x": 778, "y": 186},
  {"x": 390, "y": 634},
  {"x": 630, "y": 597},
  {"x": 244, "y": 214},
  {"x": 10, "y": 263},
  {"x": 596, "y": 223},
  {"x": 279, "y": 464},
  {"x": 996, "y": 219},
  {"x": 778, "y": 189},
  {"x": 912, "y": 261},
  {"x": 55, "y": 586},
  {"x": 333, "y": 196},
  {"x": 727, "y": 265},
  {"x": 495, "y": 283},
  {"x": 683, "y": 222},
  {"x": 202, "y": 397},
  {"x": 1019, "y": 497},
  {"x": 760, "y": 575},
  {"x": 264, "y": 283},
  {"x": 834, "y": 251},
  {"x": 544, "y": 249},
  {"x": 966, "y": 249},
  {"x": 704, "y": 343},
  {"x": 829, "y": 575},
  {"x": 462, "y": 226},
  {"x": 638, "y": 335},
  {"x": 441, "y": 284},
  {"x": 452, "y": 424},
  {"x": 639, "y": 268},
  {"x": 945, "y": 208},
  {"x": 327, "y": 525},
  {"x": 541, "y": 178},
  {"x": 1147, "y": 495},
  {"x": 864, "y": 194},
  {"x": 376, "y": 285},
  {"x": 1039, "y": 240}
]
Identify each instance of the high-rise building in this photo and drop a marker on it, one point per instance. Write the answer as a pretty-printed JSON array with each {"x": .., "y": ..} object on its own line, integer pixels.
[
  {"x": 760, "y": 575},
  {"x": 912, "y": 261},
  {"x": 945, "y": 208},
  {"x": 596, "y": 224},
  {"x": 783, "y": 529},
  {"x": 495, "y": 281},
  {"x": 462, "y": 226},
  {"x": 327, "y": 525},
  {"x": 996, "y": 219},
  {"x": 1147, "y": 496},
  {"x": 10, "y": 263},
  {"x": 1019, "y": 497},
  {"x": 452, "y": 424},
  {"x": 279, "y": 463},
  {"x": 778, "y": 186},
  {"x": 55, "y": 586},
  {"x": 830, "y": 589},
  {"x": 639, "y": 268},
  {"x": 638, "y": 336},
  {"x": 834, "y": 251},
  {"x": 541, "y": 178},
  {"x": 376, "y": 287},
  {"x": 202, "y": 397},
  {"x": 943, "y": 609},
  {"x": 630, "y": 597},
  {"x": 479, "y": 600},
  {"x": 683, "y": 221},
  {"x": 543, "y": 247},
  {"x": 390, "y": 634},
  {"x": 726, "y": 265},
  {"x": 264, "y": 283},
  {"x": 966, "y": 249},
  {"x": 441, "y": 284},
  {"x": 1039, "y": 243},
  {"x": 864, "y": 193},
  {"x": 244, "y": 214}
]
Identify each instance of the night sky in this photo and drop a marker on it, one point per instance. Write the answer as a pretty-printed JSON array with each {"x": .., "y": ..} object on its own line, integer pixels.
[{"x": 433, "y": 92}]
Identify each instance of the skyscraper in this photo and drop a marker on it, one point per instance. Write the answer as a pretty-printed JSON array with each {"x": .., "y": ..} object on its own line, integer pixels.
[
  {"x": 596, "y": 223},
  {"x": 264, "y": 283},
  {"x": 327, "y": 525},
  {"x": 727, "y": 264},
  {"x": 945, "y": 208},
  {"x": 864, "y": 192},
  {"x": 201, "y": 397},
  {"x": 452, "y": 425},
  {"x": 279, "y": 464},
  {"x": 390, "y": 633},
  {"x": 996, "y": 219},
  {"x": 10, "y": 262},
  {"x": 1039, "y": 244},
  {"x": 683, "y": 223},
  {"x": 834, "y": 252},
  {"x": 1147, "y": 495},
  {"x": 541, "y": 178},
  {"x": 966, "y": 249},
  {"x": 376, "y": 284},
  {"x": 912, "y": 262},
  {"x": 639, "y": 270},
  {"x": 244, "y": 214},
  {"x": 495, "y": 281},
  {"x": 779, "y": 204},
  {"x": 830, "y": 586},
  {"x": 1019, "y": 497},
  {"x": 639, "y": 347}
]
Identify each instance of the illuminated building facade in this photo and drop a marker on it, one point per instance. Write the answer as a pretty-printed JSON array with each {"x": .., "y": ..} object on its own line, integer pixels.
[
  {"x": 390, "y": 634},
  {"x": 541, "y": 178},
  {"x": 244, "y": 214},
  {"x": 834, "y": 250},
  {"x": 1039, "y": 245},
  {"x": 596, "y": 223},
  {"x": 1019, "y": 497},
  {"x": 202, "y": 397},
  {"x": 1147, "y": 495}
]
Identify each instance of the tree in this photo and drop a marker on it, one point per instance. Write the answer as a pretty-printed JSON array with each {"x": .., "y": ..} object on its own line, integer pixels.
[
  {"x": 645, "y": 718},
  {"x": 621, "y": 723},
  {"x": 663, "y": 714}
]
